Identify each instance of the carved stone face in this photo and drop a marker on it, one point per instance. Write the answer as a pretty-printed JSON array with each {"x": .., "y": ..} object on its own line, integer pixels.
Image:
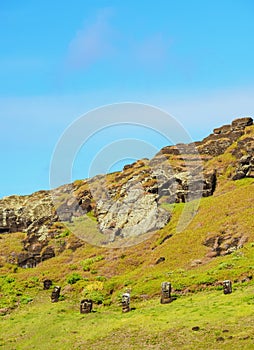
[
  {"x": 126, "y": 298},
  {"x": 86, "y": 306},
  {"x": 166, "y": 288},
  {"x": 126, "y": 302},
  {"x": 165, "y": 293},
  {"x": 55, "y": 294},
  {"x": 227, "y": 285},
  {"x": 47, "y": 284}
]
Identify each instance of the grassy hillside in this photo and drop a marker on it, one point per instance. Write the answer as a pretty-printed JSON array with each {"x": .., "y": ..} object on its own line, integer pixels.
[
  {"x": 30, "y": 320},
  {"x": 218, "y": 244},
  {"x": 224, "y": 321}
]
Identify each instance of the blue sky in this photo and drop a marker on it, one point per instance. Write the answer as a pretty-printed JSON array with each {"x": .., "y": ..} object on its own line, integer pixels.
[{"x": 60, "y": 59}]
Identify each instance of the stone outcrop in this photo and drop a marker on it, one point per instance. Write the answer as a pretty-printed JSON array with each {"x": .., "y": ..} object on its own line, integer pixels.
[
  {"x": 27, "y": 213},
  {"x": 224, "y": 244},
  {"x": 34, "y": 215},
  {"x": 130, "y": 208},
  {"x": 217, "y": 143},
  {"x": 127, "y": 204},
  {"x": 245, "y": 167},
  {"x": 72, "y": 200},
  {"x": 136, "y": 213},
  {"x": 245, "y": 155}
]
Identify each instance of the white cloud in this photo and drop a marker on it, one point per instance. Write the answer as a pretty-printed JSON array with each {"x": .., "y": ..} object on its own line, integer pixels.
[
  {"x": 91, "y": 43},
  {"x": 153, "y": 51}
]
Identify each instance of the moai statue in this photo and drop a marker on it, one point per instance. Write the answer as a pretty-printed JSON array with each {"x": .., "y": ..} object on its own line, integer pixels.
[
  {"x": 47, "y": 284},
  {"x": 227, "y": 285},
  {"x": 55, "y": 294},
  {"x": 86, "y": 306},
  {"x": 166, "y": 293},
  {"x": 126, "y": 302}
]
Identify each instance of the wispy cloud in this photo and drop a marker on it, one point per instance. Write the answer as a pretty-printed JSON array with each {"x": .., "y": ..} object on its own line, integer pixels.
[
  {"x": 153, "y": 51},
  {"x": 92, "y": 42},
  {"x": 97, "y": 41}
]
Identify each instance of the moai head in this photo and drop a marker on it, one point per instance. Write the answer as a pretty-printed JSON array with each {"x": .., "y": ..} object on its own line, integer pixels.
[
  {"x": 165, "y": 293},
  {"x": 47, "y": 284},
  {"x": 55, "y": 294},
  {"x": 126, "y": 302},
  {"x": 227, "y": 286},
  {"x": 86, "y": 306}
]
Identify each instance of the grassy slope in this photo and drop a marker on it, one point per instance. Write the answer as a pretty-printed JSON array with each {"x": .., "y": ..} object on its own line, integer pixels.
[
  {"x": 105, "y": 274},
  {"x": 42, "y": 325}
]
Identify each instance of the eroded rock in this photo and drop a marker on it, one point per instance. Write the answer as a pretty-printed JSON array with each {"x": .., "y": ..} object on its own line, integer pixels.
[
  {"x": 133, "y": 213},
  {"x": 224, "y": 244},
  {"x": 245, "y": 166},
  {"x": 127, "y": 203}
]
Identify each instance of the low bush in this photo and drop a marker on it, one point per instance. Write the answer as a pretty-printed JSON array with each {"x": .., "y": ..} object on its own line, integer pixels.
[{"x": 75, "y": 277}]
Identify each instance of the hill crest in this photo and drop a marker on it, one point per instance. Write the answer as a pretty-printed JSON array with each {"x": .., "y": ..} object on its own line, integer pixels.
[{"x": 126, "y": 207}]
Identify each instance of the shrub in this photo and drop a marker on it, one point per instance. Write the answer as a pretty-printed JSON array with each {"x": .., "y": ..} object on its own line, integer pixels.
[
  {"x": 107, "y": 302},
  {"x": 101, "y": 278},
  {"x": 96, "y": 296},
  {"x": 31, "y": 282},
  {"x": 75, "y": 277},
  {"x": 9, "y": 279},
  {"x": 86, "y": 264},
  {"x": 65, "y": 233},
  {"x": 94, "y": 291},
  {"x": 86, "y": 268},
  {"x": 99, "y": 258},
  {"x": 25, "y": 300},
  {"x": 225, "y": 265}
]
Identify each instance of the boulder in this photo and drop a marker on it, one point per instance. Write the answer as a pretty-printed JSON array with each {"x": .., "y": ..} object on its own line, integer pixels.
[
  {"x": 245, "y": 167},
  {"x": 222, "y": 130},
  {"x": 241, "y": 123},
  {"x": 223, "y": 244}
]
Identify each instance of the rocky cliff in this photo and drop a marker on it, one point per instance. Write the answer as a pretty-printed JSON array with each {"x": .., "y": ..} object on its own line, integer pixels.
[{"x": 127, "y": 204}]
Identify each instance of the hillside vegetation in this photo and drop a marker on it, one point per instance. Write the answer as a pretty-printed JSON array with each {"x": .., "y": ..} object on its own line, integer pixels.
[{"x": 217, "y": 244}]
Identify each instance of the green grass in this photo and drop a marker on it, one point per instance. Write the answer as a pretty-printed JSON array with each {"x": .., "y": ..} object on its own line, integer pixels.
[
  {"x": 85, "y": 227},
  {"x": 43, "y": 325},
  {"x": 136, "y": 267},
  {"x": 104, "y": 274}
]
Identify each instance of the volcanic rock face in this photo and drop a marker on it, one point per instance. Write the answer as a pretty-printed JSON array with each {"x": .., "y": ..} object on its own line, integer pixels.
[
  {"x": 217, "y": 143},
  {"x": 32, "y": 214},
  {"x": 127, "y": 204},
  {"x": 224, "y": 244},
  {"x": 245, "y": 167},
  {"x": 245, "y": 154},
  {"x": 135, "y": 212},
  {"x": 27, "y": 213}
]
